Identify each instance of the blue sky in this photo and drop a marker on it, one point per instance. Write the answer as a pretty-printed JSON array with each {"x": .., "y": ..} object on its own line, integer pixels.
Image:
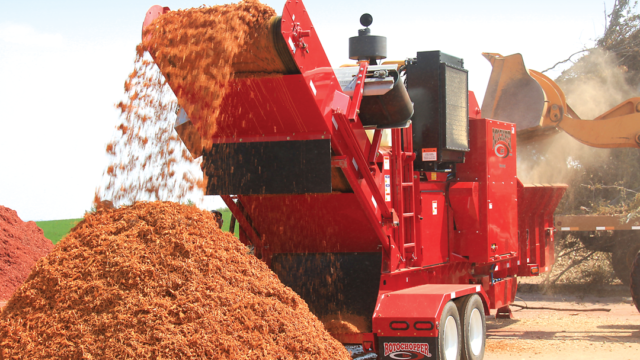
[{"x": 63, "y": 65}]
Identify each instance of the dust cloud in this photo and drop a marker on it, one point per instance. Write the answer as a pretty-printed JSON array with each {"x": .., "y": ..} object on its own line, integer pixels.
[
  {"x": 555, "y": 159},
  {"x": 593, "y": 85}
]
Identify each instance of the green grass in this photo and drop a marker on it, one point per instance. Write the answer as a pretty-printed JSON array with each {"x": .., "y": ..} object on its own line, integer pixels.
[
  {"x": 55, "y": 230},
  {"x": 226, "y": 217}
]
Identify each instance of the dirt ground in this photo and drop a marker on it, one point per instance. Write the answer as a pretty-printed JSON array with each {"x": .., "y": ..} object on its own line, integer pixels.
[
  {"x": 571, "y": 334},
  {"x": 568, "y": 335},
  {"x": 574, "y": 334}
]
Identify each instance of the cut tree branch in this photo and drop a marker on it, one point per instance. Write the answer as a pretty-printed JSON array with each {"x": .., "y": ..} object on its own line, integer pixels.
[
  {"x": 609, "y": 187},
  {"x": 558, "y": 309},
  {"x": 575, "y": 262},
  {"x": 567, "y": 60}
]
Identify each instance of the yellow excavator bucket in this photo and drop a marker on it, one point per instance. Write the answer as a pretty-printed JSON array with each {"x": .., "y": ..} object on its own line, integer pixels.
[{"x": 538, "y": 107}]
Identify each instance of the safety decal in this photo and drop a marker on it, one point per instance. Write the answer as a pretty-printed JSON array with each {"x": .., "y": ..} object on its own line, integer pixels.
[
  {"x": 386, "y": 163},
  {"x": 434, "y": 207},
  {"x": 387, "y": 188},
  {"x": 429, "y": 154}
]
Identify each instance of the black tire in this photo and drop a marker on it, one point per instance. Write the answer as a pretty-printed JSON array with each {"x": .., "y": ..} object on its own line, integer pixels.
[
  {"x": 448, "y": 347},
  {"x": 635, "y": 281},
  {"x": 474, "y": 327},
  {"x": 622, "y": 259}
]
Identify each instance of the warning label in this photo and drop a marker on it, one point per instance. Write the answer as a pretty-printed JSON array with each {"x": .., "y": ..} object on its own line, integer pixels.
[
  {"x": 429, "y": 154},
  {"x": 387, "y": 188}
]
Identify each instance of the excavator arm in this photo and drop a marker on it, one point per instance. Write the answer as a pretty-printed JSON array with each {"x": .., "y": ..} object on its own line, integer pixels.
[{"x": 539, "y": 108}]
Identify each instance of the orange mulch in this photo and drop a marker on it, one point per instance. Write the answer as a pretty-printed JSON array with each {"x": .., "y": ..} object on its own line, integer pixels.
[
  {"x": 158, "y": 280},
  {"x": 340, "y": 327},
  {"x": 195, "y": 53}
]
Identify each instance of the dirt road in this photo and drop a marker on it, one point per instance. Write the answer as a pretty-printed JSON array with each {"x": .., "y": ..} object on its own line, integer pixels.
[{"x": 567, "y": 335}]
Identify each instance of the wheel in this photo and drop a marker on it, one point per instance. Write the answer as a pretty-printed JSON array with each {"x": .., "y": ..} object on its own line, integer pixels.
[
  {"x": 449, "y": 334},
  {"x": 635, "y": 281},
  {"x": 474, "y": 327},
  {"x": 622, "y": 259}
]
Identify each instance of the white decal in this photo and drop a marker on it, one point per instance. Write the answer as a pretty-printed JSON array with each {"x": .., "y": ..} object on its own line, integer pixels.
[
  {"x": 434, "y": 207},
  {"x": 293, "y": 46},
  {"x": 565, "y": 229},
  {"x": 635, "y": 228},
  {"x": 386, "y": 163},
  {"x": 600, "y": 228},
  {"x": 313, "y": 88}
]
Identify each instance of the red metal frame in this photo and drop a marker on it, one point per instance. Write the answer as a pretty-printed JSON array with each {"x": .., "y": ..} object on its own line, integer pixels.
[{"x": 437, "y": 234}]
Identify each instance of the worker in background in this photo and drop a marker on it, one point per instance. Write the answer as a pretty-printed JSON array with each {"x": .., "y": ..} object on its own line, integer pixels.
[{"x": 218, "y": 216}]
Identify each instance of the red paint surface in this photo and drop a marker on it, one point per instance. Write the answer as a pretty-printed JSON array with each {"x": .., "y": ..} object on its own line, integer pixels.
[
  {"x": 496, "y": 233},
  {"x": 21, "y": 245},
  {"x": 402, "y": 306}
]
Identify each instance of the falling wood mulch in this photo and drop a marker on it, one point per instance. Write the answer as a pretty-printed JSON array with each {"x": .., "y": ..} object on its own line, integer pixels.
[{"x": 158, "y": 280}]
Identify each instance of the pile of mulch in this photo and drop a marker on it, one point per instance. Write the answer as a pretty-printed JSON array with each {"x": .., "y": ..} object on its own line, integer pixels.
[
  {"x": 158, "y": 280},
  {"x": 21, "y": 245}
]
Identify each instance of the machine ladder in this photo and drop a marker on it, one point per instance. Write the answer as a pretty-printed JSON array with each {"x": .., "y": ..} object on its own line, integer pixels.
[{"x": 402, "y": 180}]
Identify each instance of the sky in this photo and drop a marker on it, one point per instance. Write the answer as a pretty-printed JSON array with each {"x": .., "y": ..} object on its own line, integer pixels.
[{"x": 63, "y": 66}]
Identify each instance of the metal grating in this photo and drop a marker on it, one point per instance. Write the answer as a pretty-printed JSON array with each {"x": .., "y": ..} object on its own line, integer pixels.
[{"x": 456, "y": 109}]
